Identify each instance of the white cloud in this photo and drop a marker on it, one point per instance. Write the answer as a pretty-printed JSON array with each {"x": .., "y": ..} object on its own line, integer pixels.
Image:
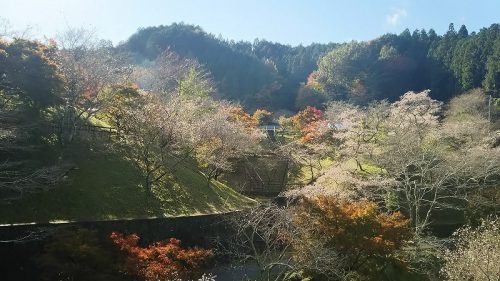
[{"x": 395, "y": 17}]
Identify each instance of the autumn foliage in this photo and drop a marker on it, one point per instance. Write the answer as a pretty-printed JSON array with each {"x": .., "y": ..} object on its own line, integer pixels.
[
  {"x": 262, "y": 116},
  {"x": 311, "y": 124},
  {"x": 238, "y": 114},
  {"x": 164, "y": 260},
  {"x": 354, "y": 225},
  {"x": 358, "y": 231}
]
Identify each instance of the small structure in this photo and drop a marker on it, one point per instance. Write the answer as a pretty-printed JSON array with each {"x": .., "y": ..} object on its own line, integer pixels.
[{"x": 270, "y": 131}]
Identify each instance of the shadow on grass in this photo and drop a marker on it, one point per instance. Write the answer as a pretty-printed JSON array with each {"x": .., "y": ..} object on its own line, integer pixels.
[
  {"x": 187, "y": 192},
  {"x": 103, "y": 186}
]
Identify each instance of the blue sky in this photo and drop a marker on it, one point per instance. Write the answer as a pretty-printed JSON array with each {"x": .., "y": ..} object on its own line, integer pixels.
[{"x": 286, "y": 21}]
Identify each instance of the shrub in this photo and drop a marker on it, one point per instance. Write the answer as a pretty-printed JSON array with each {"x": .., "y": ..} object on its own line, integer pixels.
[{"x": 164, "y": 260}]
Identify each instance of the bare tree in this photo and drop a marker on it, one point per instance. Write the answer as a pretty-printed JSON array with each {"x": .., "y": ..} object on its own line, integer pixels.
[
  {"x": 270, "y": 237},
  {"x": 220, "y": 141},
  {"x": 77, "y": 39},
  {"x": 357, "y": 131},
  {"x": 261, "y": 237},
  {"x": 346, "y": 183},
  {"x": 466, "y": 119},
  {"x": 304, "y": 159},
  {"x": 170, "y": 74},
  {"x": 175, "y": 120},
  {"x": 419, "y": 162},
  {"x": 151, "y": 133},
  {"x": 7, "y": 31},
  {"x": 21, "y": 175},
  {"x": 431, "y": 174}
]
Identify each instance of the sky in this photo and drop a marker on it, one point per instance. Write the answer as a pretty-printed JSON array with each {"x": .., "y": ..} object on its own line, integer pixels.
[{"x": 286, "y": 21}]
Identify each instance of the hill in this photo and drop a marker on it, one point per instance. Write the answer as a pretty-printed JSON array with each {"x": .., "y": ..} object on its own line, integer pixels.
[
  {"x": 102, "y": 186},
  {"x": 259, "y": 74},
  {"x": 270, "y": 75}
]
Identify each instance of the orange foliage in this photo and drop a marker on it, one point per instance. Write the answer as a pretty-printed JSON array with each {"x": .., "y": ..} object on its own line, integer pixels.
[
  {"x": 164, "y": 260},
  {"x": 312, "y": 82},
  {"x": 262, "y": 116},
  {"x": 239, "y": 115},
  {"x": 310, "y": 122},
  {"x": 307, "y": 116},
  {"x": 314, "y": 131},
  {"x": 356, "y": 228}
]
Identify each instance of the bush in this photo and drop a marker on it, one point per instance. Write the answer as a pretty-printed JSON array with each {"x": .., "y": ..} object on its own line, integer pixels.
[{"x": 164, "y": 260}]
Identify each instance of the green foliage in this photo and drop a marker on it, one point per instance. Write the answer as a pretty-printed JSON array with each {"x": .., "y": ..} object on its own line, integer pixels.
[
  {"x": 467, "y": 56},
  {"x": 28, "y": 69},
  {"x": 491, "y": 82},
  {"x": 308, "y": 96},
  {"x": 340, "y": 67},
  {"x": 381, "y": 68},
  {"x": 242, "y": 75},
  {"x": 259, "y": 75},
  {"x": 29, "y": 88},
  {"x": 293, "y": 62},
  {"x": 388, "y": 52},
  {"x": 393, "y": 64},
  {"x": 269, "y": 75},
  {"x": 194, "y": 86}
]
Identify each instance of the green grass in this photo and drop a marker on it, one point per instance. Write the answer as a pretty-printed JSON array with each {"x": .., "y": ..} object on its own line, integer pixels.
[
  {"x": 304, "y": 175},
  {"x": 368, "y": 167},
  {"x": 104, "y": 186}
]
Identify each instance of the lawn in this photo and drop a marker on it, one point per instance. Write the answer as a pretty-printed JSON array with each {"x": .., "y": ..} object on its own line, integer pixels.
[{"x": 103, "y": 186}]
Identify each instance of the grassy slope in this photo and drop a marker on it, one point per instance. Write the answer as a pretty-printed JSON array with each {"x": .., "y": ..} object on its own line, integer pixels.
[{"x": 104, "y": 186}]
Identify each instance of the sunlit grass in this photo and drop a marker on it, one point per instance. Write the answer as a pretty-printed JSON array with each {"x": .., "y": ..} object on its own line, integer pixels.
[
  {"x": 307, "y": 174},
  {"x": 103, "y": 186}
]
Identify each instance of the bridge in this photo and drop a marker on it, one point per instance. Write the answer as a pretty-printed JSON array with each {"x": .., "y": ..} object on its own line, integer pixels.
[{"x": 270, "y": 131}]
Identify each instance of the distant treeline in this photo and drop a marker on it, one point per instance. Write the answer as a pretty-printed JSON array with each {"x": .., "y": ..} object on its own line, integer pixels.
[
  {"x": 276, "y": 76},
  {"x": 258, "y": 74}
]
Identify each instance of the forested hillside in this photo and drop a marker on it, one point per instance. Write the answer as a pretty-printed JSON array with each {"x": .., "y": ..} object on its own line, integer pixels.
[
  {"x": 271, "y": 75},
  {"x": 392, "y": 64},
  {"x": 258, "y": 74}
]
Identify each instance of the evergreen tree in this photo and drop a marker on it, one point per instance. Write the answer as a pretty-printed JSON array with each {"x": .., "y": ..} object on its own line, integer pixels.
[{"x": 463, "y": 32}]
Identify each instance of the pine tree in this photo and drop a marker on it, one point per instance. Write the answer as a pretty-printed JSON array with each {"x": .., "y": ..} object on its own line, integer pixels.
[{"x": 463, "y": 32}]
